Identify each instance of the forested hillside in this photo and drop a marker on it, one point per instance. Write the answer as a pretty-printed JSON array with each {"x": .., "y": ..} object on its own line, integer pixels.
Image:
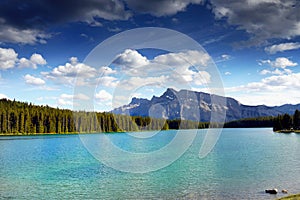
[{"x": 24, "y": 118}]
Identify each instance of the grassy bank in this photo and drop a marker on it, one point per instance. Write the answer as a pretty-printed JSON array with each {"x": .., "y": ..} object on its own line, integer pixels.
[{"x": 291, "y": 197}]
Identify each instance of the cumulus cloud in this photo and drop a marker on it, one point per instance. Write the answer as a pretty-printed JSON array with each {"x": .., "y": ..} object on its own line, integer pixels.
[
  {"x": 38, "y": 59},
  {"x": 8, "y": 58},
  {"x": 106, "y": 71},
  {"x": 263, "y": 20},
  {"x": 162, "y": 7},
  {"x": 283, "y": 63},
  {"x": 25, "y": 22},
  {"x": 68, "y": 73},
  {"x": 166, "y": 68},
  {"x": 103, "y": 95},
  {"x": 280, "y": 62},
  {"x": 227, "y": 73},
  {"x": 33, "y": 62},
  {"x": 130, "y": 59},
  {"x": 186, "y": 65},
  {"x": 276, "y": 71},
  {"x": 31, "y": 80},
  {"x": 278, "y": 66},
  {"x": 183, "y": 59},
  {"x": 282, "y": 47},
  {"x": 25, "y": 63},
  {"x": 107, "y": 81},
  {"x": 264, "y": 91}
]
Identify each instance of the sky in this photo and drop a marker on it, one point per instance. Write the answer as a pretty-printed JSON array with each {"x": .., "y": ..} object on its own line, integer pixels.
[{"x": 249, "y": 47}]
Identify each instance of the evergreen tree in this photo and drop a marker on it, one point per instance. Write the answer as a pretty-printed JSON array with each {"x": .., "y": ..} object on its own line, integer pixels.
[{"x": 296, "y": 120}]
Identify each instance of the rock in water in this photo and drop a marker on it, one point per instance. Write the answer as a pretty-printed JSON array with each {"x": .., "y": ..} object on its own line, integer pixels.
[
  {"x": 272, "y": 191},
  {"x": 284, "y": 191}
]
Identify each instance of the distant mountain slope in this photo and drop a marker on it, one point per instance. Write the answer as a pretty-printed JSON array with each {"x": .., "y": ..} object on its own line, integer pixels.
[{"x": 190, "y": 105}]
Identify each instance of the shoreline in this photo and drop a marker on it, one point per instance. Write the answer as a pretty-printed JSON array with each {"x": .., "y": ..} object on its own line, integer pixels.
[
  {"x": 288, "y": 131},
  {"x": 291, "y": 197},
  {"x": 50, "y": 134},
  {"x": 88, "y": 133}
]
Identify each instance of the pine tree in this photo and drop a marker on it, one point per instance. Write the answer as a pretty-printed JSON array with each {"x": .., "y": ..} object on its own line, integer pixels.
[{"x": 296, "y": 120}]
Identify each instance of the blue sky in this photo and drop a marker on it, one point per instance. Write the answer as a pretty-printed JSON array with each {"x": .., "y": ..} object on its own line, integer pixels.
[{"x": 254, "y": 44}]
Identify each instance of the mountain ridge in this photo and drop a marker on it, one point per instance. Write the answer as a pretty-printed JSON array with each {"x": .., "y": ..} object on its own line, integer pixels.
[{"x": 199, "y": 106}]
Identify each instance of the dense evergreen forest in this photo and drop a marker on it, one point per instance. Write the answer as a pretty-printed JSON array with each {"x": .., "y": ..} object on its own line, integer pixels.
[
  {"x": 287, "y": 123},
  {"x": 18, "y": 118},
  {"x": 258, "y": 122}
]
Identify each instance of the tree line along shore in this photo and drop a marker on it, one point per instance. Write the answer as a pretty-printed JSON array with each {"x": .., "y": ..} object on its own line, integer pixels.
[
  {"x": 18, "y": 118},
  {"x": 287, "y": 123},
  {"x": 21, "y": 118}
]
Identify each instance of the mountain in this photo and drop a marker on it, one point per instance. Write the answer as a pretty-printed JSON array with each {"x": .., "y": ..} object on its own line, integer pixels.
[{"x": 191, "y": 105}]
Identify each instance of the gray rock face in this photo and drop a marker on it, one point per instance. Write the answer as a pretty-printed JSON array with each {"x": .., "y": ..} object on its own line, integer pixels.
[{"x": 198, "y": 106}]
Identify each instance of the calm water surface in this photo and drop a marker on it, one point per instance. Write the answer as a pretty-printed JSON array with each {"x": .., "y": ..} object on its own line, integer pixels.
[{"x": 241, "y": 166}]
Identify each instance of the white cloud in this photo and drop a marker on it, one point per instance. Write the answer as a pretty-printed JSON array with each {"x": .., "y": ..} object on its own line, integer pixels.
[
  {"x": 31, "y": 80},
  {"x": 73, "y": 60},
  {"x": 201, "y": 78},
  {"x": 103, "y": 95},
  {"x": 136, "y": 82},
  {"x": 161, "y": 8},
  {"x": 68, "y": 73},
  {"x": 3, "y": 96},
  {"x": 225, "y": 57},
  {"x": 25, "y": 63},
  {"x": 282, "y": 47},
  {"x": 283, "y": 63},
  {"x": 276, "y": 71},
  {"x": 64, "y": 102},
  {"x": 263, "y": 20},
  {"x": 280, "y": 62},
  {"x": 79, "y": 96},
  {"x": 184, "y": 59},
  {"x": 107, "y": 81},
  {"x": 33, "y": 62},
  {"x": 186, "y": 65},
  {"x": 38, "y": 59},
  {"x": 264, "y": 91},
  {"x": 106, "y": 71},
  {"x": 70, "y": 99},
  {"x": 227, "y": 73},
  {"x": 8, "y": 58},
  {"x": 172, "y": 69},
  {"x": 130, "y": 59}
]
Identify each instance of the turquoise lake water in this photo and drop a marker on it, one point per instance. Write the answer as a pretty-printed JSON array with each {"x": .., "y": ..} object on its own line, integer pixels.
[{"x": 242, "y": 165}]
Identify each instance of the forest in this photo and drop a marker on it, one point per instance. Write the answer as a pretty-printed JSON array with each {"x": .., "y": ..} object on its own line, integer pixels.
[
  {"x": 258, "y": 122},
  {"x": 287, "y": 123},
  {"x": 21, "y": 118},
  {"x": 18, "y": 118}
]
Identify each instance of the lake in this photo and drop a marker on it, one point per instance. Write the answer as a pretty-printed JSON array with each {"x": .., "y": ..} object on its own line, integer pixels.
[{"x": 242, "y": 165}]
